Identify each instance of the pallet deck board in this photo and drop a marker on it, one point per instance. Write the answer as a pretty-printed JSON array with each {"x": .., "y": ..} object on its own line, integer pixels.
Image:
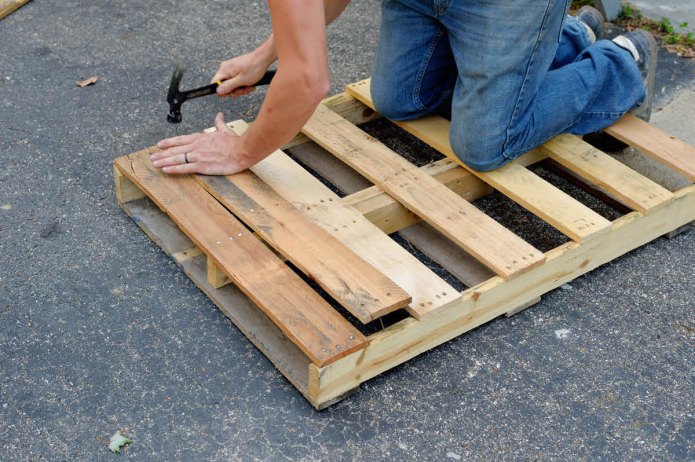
[
  {"x": 477, "y": 233},
  {"x": 321, "y": 333},
  {"x": 606, "y": 173},
  {"x": 254, "y": 324},
  {"x": 361, "y": 221},
  {"x": 494, "y": 297},
  {"x": 662, "y": 147},
  {"x": 514, "y": 180},
  {"x": 429, "y": 292},
  {"x": 391, "y": 217},
  {"x": 361, "y": 289}
]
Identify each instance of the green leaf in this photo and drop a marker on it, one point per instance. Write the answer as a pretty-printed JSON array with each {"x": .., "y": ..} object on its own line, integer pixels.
[{"x": 118, "y": 441}]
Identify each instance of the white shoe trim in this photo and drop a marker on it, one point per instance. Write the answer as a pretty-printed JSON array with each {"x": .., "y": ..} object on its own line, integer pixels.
[
  {"x": 589, "y": 31},
  {"x": 627, "y": 44}
]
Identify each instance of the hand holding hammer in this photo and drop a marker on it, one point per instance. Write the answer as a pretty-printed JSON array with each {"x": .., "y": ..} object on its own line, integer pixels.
[{"x": 230, "y": 87}]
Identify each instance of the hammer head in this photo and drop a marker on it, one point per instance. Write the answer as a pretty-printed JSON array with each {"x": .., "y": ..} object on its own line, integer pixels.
[{"x": 174, "y": 97}]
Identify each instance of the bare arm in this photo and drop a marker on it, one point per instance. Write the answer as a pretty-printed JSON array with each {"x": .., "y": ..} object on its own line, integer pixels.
[
  {"x": 238, "y": 73},
  {"x": 302, "y": 79}
]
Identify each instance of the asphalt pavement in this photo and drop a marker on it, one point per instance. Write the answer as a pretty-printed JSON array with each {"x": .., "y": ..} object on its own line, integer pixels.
[{"x": 99, "y": 331}]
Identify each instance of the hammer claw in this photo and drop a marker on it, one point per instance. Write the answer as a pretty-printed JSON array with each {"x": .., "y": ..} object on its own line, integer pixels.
[{"x": 176, "y": 98}]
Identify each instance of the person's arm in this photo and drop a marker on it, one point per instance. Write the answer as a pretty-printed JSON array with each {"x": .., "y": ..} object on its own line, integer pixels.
[
  {"x": 239, "y": 73},
  {"x": 302, "y": 80}
]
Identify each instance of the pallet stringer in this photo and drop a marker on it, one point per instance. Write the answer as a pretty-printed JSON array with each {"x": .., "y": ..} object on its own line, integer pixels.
[
  {"x": 657, "y": 213},
  {"x": 409, "y": 338}
]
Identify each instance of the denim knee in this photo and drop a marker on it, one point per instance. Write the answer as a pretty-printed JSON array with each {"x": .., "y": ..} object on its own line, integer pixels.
[
  {"x": 390, "y": 104},
  {"x": 478, "y": 151}
]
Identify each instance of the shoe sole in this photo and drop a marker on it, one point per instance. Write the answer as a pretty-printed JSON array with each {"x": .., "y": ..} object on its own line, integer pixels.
[{"x": 644, "y": 110}]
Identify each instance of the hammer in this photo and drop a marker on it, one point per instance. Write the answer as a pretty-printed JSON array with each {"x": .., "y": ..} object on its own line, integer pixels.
[{"x": 176, "y": 98}]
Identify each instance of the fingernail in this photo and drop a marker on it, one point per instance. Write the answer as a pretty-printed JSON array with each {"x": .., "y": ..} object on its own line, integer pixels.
[{"x": 159, "y": 144}]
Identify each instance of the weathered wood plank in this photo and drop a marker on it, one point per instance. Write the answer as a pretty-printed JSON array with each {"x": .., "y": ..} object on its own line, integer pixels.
[
  {"x": 390, "y": 216},
  {"x": 481, "y": 236},
  {"x": 322, "y": 206},
  {"x": 320, "y": 332},
  {"x": 125, "y": 190},
  {"x": 513, "y": 180},
  {"x": 243, "y": 313},
  {"x": 409, "y": 338},
  {"x": 367, "y": 293},
  {"x": 655, "y": 143},
  {"x": 8, "y": 6},
  {"x": 608, "y": 174}
]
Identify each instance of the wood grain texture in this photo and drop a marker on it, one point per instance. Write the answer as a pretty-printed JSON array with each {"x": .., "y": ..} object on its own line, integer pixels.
[
  {"x": 408, "y": 338},
  {"x": 361, "y": 289},
  {"x": 513, "y": 180},
  {"x": 606, "y": 173},
  {"x": 8, "y": 6},
  {"x": 322, "y": 206},
  {"x": 125, "y": 190},
  {"x": 481, "y": 236},
  {"x": 390, "y": 216},
  {"x": 243, "y": 313},
  {"x": 657, "y": 144},
  {"x": 320, "y": 332}
]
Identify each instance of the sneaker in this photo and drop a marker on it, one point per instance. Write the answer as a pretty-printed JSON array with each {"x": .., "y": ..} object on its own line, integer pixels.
[
  {"x": 593, "y": 20},
  {"x": 642, "y": 46}
]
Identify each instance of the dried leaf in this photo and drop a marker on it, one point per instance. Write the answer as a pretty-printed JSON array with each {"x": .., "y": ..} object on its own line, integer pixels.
[
  {"x": 90, "y": 81},
  {"x": 118, "y": 441}
]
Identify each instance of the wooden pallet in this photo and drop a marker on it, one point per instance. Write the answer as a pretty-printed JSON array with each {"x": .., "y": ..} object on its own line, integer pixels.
[{"x": 260, "y": 229}]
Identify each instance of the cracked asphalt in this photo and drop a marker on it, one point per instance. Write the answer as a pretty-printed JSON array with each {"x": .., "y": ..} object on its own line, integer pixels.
[{"x": 99, "y": 331}]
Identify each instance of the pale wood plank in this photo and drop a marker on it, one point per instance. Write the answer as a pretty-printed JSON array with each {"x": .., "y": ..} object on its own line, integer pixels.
[
  {"x": 552, "y": 205},
  {"x": 481, "y": 236},
  {"x": 409, "y": 338},
  {"x": 377, "y": 206},
  {"x": 655, "y": 143},
  {"x": 524, "y": 187},
  {"x": 367, "y": 293},
  {"x": 320, "y": 332},
  {"x": 322, "y": 206},
  {"x": 8, "y": 6},
  {"x": 390, "y": 216},
  {"x": 608, "y": 174},
  {"x": 522, "y": 307},
  {"x": 125, "y": 190},
  {"x": 216, "y": 277},
  {"x": 243, "y": 313}
]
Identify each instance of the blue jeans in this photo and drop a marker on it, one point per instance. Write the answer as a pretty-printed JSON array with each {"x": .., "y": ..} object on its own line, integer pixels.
[{"x": 514, "y": 73}]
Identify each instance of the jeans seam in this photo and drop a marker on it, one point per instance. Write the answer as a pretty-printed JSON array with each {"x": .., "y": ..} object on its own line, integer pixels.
[
  {"x": 603, "y": 114},
  {"x": 440, "y": 7},
  {"x": 524, "y": 82},
  {"x": 423, "y": 69}
]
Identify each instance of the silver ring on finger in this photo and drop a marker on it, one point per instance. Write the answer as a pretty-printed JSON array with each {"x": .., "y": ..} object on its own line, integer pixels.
[{"x": 185, "y": 157}]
